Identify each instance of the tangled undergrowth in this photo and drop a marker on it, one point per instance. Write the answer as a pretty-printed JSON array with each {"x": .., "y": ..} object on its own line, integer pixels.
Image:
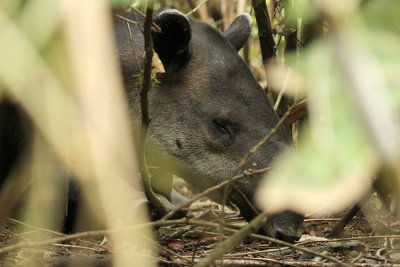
[{"x": 367, "y": 241}]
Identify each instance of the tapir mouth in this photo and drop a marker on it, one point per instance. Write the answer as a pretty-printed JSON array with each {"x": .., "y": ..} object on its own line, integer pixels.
[
  {"x": 242, "y": 195},
  {"x": 286, "y": 226}
]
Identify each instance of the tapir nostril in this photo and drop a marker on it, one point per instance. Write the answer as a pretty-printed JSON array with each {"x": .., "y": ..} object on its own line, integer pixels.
[{"x": 178, "y": 143}]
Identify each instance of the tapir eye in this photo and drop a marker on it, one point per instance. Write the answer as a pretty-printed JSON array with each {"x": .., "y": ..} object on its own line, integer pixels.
[
  {"x": 221, "y": 127},
  {"x": 224, "y": 130}
]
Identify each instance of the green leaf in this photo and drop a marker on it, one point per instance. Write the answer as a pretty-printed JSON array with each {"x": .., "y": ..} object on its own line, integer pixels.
[{"x": 335, "y": 159}]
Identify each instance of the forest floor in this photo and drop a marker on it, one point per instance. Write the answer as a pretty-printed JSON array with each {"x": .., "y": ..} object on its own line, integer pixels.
[{"x": 185, "y": 245}]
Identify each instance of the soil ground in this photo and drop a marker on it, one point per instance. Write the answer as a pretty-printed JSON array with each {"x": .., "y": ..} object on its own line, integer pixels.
[{"x": 185, "y": 245}]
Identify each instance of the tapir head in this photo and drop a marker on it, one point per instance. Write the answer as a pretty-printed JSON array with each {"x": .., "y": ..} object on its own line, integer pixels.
[{"x": 208, "y": 111}]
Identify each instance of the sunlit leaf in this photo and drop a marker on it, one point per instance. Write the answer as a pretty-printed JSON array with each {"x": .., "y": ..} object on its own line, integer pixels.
[
  {"x": 335, "y": 160},
  {"x": 304, "y": 7},
  {"x": 383, "y": 14}
]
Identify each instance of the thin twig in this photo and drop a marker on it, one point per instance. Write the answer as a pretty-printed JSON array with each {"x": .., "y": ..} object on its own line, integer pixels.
[
  {"x": 322, "y": 220},
  {"x": 133, "y": 12},
  {"x": 264, "y": 140},
  {"x": 196, "y": 8},
  {"x": 197, "y": 244},
  {"x": 78, "y": 247},
  {"x": 138, "y": 11},
  {"x": 133, "y": 46},
  {"x": 128, "y": 20},
  {"x": 52, "y": 232},
  {"x": 283, "y": 89},
  {"x": 144, "y": 107},
  {"x": 154, "y": 26},
  {"x": 299, "y": 110},
  {"x": 157, "y": 244},
  {"x": 350, "y": 239},
  {"x": 88, "y": 234},
  {"x": 256, "y": 147},
  {"x": 297, "y": 247},
  {"x": 239, "y": 254},
  {"x": 244, "y": 197},
  {"x": 211, "y": 189},
  {"x": 19, "y": 245}
]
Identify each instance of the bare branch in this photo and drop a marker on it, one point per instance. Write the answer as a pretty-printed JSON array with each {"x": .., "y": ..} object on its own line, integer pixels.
[{"x": 144, "y": 106}]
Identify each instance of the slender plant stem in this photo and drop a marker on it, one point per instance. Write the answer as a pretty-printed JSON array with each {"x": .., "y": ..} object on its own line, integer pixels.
[
  {"x": 196, "y": 8},
  {"x": 144, "y": 107},
  {"x": 255, "y": 148},
  {"x": 234, "y": 239}
]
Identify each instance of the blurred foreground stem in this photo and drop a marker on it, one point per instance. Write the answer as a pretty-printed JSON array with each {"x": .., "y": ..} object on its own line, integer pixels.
[{"x": 226, "y": 245}]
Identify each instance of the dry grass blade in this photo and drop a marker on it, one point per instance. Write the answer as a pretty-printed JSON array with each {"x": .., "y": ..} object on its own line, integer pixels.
[{"x": 93, "y": 136}]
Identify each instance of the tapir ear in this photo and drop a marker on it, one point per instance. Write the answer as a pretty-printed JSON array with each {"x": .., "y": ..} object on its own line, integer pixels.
[
  {"x": 172, "y": 43},
  {"x": 239, "y": 31}
]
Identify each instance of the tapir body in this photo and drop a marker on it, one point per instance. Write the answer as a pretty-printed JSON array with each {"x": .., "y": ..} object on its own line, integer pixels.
[{"x": 207, "y": 111}]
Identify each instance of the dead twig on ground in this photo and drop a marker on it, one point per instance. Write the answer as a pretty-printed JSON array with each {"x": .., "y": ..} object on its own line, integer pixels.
[{"x": 186, "y": 222}]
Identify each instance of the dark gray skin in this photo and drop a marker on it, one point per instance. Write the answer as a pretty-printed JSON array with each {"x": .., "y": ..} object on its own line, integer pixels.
[{"x": 207, "y": 110}]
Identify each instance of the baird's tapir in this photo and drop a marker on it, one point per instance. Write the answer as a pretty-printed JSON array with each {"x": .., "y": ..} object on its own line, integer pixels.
[{"x": 207, "y": 110}]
